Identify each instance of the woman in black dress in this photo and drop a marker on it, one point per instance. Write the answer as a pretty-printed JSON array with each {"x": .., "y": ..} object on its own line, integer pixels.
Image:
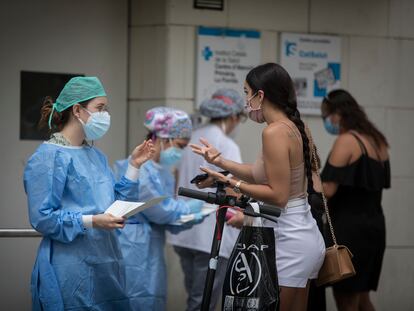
[{"x": 353, "y": 178}]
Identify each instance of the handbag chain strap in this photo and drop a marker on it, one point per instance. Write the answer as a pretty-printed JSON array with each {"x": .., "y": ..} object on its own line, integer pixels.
[{"x": 325, "y": 201}]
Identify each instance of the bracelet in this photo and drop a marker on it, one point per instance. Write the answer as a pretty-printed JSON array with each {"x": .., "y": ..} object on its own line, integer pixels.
[{"x": 236, "y": 187}]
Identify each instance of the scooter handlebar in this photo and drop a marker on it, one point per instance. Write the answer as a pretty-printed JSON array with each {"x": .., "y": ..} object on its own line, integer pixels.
[
  {"x": 195, "y": 194},
  {"x": 270, "y": 210},
  {"x": 210, "y": 197}
]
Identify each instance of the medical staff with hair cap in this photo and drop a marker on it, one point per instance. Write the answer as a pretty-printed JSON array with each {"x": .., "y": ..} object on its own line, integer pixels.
[
  {"x": 225, "y": 109},
  {"x": 69, "y": 185},
  {"x": 143, "y": 238}
]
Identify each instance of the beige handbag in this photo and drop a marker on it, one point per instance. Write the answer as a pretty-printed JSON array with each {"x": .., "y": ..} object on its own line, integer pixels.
[{"x": 337, "y": 265}]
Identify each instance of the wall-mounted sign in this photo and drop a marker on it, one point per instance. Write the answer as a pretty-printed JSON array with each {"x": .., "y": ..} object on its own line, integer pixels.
[
  {"x": 314, "y": 63},
  {"x": 224, "y": 57},
  {"x": 34, "y": 87}
]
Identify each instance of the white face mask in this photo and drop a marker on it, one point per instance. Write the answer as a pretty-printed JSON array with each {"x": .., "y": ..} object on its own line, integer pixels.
[
  {"x": 97, "y": 124},
  {"x": 171, "y": 156}
]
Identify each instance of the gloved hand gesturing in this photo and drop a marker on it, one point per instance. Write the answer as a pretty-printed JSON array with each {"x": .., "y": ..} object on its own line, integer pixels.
[
  {"x": 142, "y": 153},
  {"x": 195, "y": 206},
  {"x": 198, "y": 218}
]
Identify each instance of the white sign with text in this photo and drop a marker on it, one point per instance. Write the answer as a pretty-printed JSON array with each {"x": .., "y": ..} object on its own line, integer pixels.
[
  {"x": 314, "y": 63},
  {"x": 224, "y": 57}
]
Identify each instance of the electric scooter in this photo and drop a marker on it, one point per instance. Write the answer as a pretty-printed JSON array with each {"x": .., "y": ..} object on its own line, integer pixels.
[{"x": 224, "y": 201}]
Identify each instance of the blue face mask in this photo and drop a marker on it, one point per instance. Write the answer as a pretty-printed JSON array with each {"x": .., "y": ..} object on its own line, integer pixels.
[
  {"x": 97, "y": 124},
  {"x": 330, "y": 127},
  {"x": 171, "y": 157}
]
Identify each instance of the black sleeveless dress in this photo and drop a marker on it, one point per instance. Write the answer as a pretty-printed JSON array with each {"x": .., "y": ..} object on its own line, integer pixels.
[{"x": 357, "y": 216}]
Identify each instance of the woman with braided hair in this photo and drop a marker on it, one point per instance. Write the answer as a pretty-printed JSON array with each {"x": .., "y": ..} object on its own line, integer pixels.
[{"x": 280, "y": 176}]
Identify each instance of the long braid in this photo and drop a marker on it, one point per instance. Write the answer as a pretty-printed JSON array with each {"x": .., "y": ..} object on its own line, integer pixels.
[{"x": 293, "y": 114}]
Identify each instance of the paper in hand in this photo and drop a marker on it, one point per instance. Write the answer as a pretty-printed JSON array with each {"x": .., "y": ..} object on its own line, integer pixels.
[{"x": 126, "y": 208}]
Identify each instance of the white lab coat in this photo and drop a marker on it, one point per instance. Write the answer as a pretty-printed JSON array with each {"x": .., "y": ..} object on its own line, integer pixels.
[{"x": 200, "y": 236}]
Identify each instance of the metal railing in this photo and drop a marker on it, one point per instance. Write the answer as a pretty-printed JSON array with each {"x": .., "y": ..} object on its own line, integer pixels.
[{"x": 19, "y": 233}]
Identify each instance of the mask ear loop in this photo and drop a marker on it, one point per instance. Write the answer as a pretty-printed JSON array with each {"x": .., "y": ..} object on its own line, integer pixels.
[
  {"x": 90, "y": 115},
  {"x": 250, "y": 98},
  {"x": 261, "y": 100},
  {"x": 80, "y": 120},
  {"x": 249, "y": 102}
]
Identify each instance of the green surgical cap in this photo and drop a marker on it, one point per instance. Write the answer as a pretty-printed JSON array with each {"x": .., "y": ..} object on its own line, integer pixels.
[{"x": 77, "y": 90}]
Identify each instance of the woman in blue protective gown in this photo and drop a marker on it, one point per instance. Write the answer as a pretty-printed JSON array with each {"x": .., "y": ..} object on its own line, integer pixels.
[
  {"x": 69, "y": 185},
  {"x": 143, "y": 237}
]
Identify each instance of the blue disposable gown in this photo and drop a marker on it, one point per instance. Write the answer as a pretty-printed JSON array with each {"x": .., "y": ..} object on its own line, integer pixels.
[
  {"x": 76, "y": 268},
  {"x": 143, "y": 237}
]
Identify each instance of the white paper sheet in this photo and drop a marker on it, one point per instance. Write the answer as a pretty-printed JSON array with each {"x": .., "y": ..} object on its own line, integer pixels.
[{"x": 126, "y": 209}]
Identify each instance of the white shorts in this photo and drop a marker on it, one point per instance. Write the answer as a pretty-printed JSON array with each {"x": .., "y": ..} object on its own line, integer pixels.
[{"x": 300, "y": 248}]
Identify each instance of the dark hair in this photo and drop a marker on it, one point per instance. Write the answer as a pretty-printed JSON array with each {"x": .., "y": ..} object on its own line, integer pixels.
[
  {"x": 59, "y": 119},
  {"x": 151, "y": 135},
  {"x": 353, "y": 116},
  {"x": 278, "y": 88},
  {"x": 218, "y": 119}
]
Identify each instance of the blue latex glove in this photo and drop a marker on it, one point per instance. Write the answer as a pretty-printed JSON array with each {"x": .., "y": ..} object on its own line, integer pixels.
[
  {"x": 195, "y": 206},
  {"x": 198, "y": 218}
]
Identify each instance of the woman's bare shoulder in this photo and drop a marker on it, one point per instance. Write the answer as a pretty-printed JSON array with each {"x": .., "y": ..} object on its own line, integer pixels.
[
  {"x": 345, "y": 138},
  {"x": 276, "y": 129},
  {"x": 345, "y": 149}
]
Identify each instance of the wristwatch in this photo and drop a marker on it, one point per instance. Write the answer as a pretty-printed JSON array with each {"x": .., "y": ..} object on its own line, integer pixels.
[{"x": 236, "y": 187}]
